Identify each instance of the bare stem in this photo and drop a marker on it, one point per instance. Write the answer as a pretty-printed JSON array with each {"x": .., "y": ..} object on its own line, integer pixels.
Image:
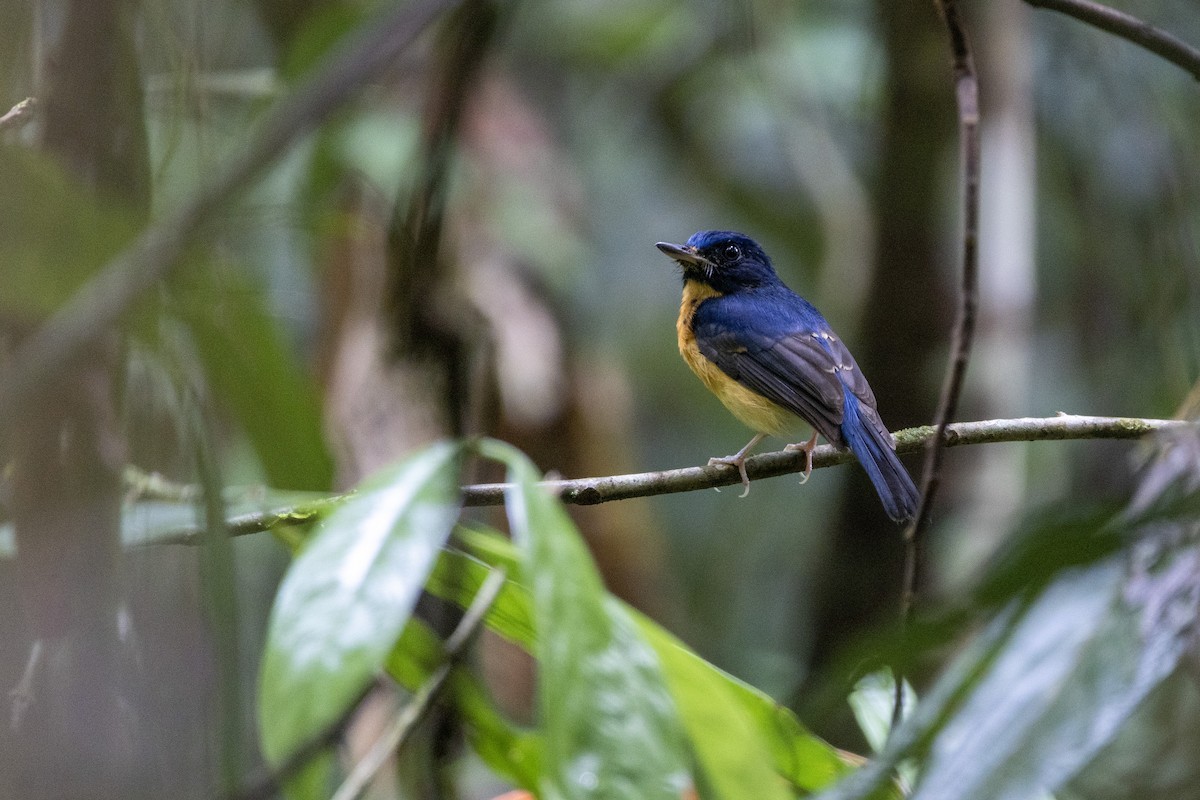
[
  {"x": 966, "y": 94},
  {"x": 1130, "y": 28}
]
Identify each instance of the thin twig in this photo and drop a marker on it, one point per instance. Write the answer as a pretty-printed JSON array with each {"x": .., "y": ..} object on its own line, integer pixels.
[
  {"x": 1130, "y": 28},
  {"x": 966, "y": 90},
  {"x": 356, "y": 782},
  {"x": 100, "y": 303},
  {"x": 18, "y": 114},
  {"x": 966, "y": 94}
]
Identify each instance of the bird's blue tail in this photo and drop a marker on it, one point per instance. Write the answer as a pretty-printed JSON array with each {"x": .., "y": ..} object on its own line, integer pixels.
[{"x": 872, "y": 445}]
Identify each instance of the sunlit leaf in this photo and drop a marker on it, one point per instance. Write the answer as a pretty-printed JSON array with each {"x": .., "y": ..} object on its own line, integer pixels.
[
  {"x": 873, "y": 701},
  {"x": 610, "y": 723},
  {"x": 348, "y": 595}
]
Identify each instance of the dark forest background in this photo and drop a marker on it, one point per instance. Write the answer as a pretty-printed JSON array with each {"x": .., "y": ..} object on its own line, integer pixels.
[{"x": 464, "y": 247}]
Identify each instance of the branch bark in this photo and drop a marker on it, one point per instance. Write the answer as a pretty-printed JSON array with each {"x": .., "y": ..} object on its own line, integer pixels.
[
  {"x": 591, "y": 491},
  {"x": 1130, "y": 28}
]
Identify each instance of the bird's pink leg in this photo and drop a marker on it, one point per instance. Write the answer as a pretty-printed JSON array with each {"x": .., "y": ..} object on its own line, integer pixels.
[
  {"x": 738, "y": 460},
  {"x": 807, "y": 448}
]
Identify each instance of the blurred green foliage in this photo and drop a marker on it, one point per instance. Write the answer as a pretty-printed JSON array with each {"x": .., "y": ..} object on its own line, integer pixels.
[{"x": 596, "y": 130}]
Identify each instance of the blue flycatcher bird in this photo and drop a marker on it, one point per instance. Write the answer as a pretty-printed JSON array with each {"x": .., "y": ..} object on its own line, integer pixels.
[{"x": 769, "y": 356}]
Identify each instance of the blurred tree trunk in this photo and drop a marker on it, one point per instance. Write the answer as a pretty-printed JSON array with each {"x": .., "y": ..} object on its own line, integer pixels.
[
  {"x": 908, "y": 313},
  {"x": 77, "y": 736},
  {"x": 437, "y": 327}
]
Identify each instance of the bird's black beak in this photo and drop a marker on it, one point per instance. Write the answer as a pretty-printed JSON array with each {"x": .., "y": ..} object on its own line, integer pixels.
[{"x": 684, "y": 254}]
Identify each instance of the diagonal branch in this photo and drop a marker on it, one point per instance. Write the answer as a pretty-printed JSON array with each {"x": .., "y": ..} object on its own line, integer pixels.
[
  {"x": 1130, "y": 28},
  {"x": 99, "y": 304}
]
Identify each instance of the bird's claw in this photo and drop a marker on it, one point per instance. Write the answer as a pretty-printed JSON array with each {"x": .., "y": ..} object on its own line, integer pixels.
[
  {"x": 807, "y": 449},
  {"x": 734, "y": 461}
]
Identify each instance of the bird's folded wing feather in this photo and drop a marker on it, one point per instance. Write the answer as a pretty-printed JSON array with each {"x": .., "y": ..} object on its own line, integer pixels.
[{"x": 793, "y": 372}]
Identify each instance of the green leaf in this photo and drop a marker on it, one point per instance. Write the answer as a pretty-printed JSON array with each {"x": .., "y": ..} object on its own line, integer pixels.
[
  {"x": 254, "y": 372},
  {"x": 711, "y": 703},
  {"x": 1076, "y": 669},
  {"x": 609, "y": 722},
  {"x": 348, "y": 595},
  {"x": 512, "y": 753},
  {"x": 873, "y": 701},
  {"x": 55, "y": 234},
  {"x": 731, "y": 747},
  {"x": 715, "y": 705},
  {"x": 457, "y": 577}
]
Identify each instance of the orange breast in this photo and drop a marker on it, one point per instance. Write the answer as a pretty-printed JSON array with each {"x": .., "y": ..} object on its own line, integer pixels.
[{"x": 755, "y": 411}]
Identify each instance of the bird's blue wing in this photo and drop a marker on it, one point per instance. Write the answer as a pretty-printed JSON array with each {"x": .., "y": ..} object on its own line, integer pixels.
[{"x": 778, "y": 345}]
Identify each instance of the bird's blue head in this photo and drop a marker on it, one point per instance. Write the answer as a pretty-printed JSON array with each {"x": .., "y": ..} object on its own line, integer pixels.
[{"x": 724, "y": 260}]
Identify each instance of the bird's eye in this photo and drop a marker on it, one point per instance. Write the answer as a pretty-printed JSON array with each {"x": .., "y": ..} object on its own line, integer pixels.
[{"x": 731, "y": 252}]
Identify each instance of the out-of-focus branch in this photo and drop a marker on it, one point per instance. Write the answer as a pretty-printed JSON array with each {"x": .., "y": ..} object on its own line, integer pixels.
[
  {"x": 103, "y": 300},
  {"x": 1129, "y": 27},
  {"x": 18, "y": 113},
  {"x": 391, "y": 740}
]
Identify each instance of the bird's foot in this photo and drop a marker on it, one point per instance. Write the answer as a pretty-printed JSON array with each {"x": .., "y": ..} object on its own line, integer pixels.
[
  {"x": 738, "y": 461},
  {"x": 807, "y": 449}
]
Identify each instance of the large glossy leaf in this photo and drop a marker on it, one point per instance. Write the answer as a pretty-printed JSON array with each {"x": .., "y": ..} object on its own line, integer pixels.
[
  {"x": 609, "y": 721},
  {"x": 745, "y": 742},
  {"x": 1077, "y": 668},
  {"x": 348, "y": 595},
  {"x": 740, "y": 756}
]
